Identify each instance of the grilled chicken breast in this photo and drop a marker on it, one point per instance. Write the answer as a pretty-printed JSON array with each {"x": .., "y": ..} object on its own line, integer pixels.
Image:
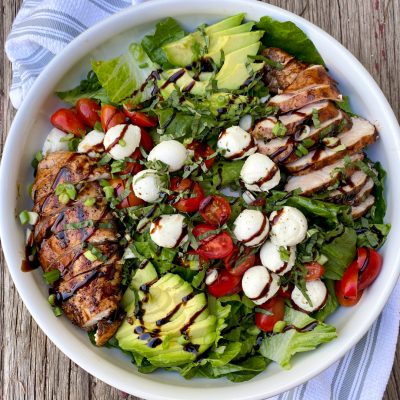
[{"x": 80, "y": 241}]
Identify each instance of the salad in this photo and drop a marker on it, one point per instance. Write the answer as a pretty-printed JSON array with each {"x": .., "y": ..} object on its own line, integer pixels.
[{"x": 204, "y": 203}]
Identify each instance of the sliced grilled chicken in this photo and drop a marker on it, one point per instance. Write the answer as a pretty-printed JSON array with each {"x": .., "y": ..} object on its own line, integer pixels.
[
  {"x": 96, "y": 298},
  {"x": 363, "y": 193},
  {"x": 362, "y": 134},
  {"x": 293, "y": 121},
  {"x": 321, "y": 179},
  {"x": 362, "y": 208},
  {"x": 279, "y": 79},
  {"x": 354, "y": 183},
  {"x": 89, "y": 287},
  {"x": 64, "y": 167},
  {"x": 283, "y": 150},
  {"x": 311, "y": 76},
  {"x": 289, "y": 101}
]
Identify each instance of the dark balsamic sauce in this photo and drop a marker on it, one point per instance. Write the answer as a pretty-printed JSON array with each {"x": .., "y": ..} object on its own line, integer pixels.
[
  {"x": 118, "y": 138},
  {"x": 308, "y": 328},
  {"x": 173, "y": 78}
]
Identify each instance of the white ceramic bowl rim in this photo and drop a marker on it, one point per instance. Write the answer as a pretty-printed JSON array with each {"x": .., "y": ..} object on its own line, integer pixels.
[{"x": 124, "y": 379}]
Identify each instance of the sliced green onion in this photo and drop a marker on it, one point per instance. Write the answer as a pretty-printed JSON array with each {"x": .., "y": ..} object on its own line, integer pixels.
[
  {"x": 24, "y": 217},
  {"x": 109, "y": 192},
  {"x": 57, "y": 311},
  {"x": 122, "y": 142},
  {"x": 279, "y": 130},
  {"x": 315, "y": 118},
  {"x": 63, "y": 198},
  {"x": 89, "y": 202},
  {"x": 52, "y": 299},
  {"x": 52, "y": 276},
  {"x": 90, "y": 256},
  {"x": 33, "y": 217},
  {"x": 279, "y": 326}
]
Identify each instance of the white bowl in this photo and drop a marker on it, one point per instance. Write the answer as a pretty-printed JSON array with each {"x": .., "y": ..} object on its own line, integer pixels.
[{"x": 31, "y": 124}]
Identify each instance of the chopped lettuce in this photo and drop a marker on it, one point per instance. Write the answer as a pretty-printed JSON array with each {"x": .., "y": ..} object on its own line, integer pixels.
[
  {"x": 222, "y": 174},
  {"x": 283, "y": 346},
  {"x": 340, "y": 252},
  {"x": 289, "y": 37},
  {"x": 122, "y": 75},
  {"x": 88, "y": 88},
  {"x": 379, "y": 208},
  {"x": 166, "y": 31}
]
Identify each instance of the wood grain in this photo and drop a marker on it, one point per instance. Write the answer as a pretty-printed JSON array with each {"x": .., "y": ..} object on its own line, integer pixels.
[{"x": 31, "y": 366}]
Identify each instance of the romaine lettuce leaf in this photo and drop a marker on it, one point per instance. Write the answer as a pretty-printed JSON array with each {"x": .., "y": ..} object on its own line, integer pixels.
[
  {"x": 341, "y": 251},
  {"x": 283, "y": 346},
  {"x": 289, "y": 37},
  {"x": 88, "y": 88},
  {"x": 222, "y": 174},
  {"x": 166, "y": 31},
  {"x": 379, "y": 208},
  {"x": 122, "y": 75}
]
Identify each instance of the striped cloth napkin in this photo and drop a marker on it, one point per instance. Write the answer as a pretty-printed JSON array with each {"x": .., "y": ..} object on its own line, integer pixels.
[{"x": 41, "y": 29}]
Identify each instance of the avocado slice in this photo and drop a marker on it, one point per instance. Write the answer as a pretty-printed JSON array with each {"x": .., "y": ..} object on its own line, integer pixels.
[
  {"x": 183, "y": 51},
  {"x": 173, "y": 325},
  {"x": 238, "y": 76},
  {"x": 230, "y": 43},
  {"x": 185, "y": 82},
  {"x": 231, "y": 31},
  {"x": 237, "y": 57}
]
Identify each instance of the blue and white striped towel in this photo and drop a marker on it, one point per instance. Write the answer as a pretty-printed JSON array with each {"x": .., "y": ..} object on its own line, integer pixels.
[{"x": 41, "y": 29}]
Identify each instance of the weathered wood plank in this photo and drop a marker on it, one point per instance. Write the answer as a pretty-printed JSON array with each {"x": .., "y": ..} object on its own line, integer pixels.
[{"x": 31, "y": 366}]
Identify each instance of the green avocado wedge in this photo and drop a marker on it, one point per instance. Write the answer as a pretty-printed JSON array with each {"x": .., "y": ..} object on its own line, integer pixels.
[
  {"x": 166, "y": 321},
  {"x": 184, "y": 51}
]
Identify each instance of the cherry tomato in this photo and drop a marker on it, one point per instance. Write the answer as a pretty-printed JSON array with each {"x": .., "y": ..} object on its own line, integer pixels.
[
  {"x": 349, "y": 282},
  {"x": 370, "y": 269},
  {"x": 145, "y": 140},
  {"x": 139, "y": 118},
  {"x": 111, "y": 116},
  {"x": 186, "y": 204},
  {"x": 215, "y": 210},
  {"x": 258, "y": 203},
  {"x": 88, "y": 111},
  {"x": 238, "y": 264},
  {"x": 314, "y": 271},
  {"x": 68, "y": 121},
  {"x": 276, "y": 306},
  {"x": 226, "y": 284},
  {"x": 119, "y": 186},
  {"x": 344, "y": 301},
  {"x": 201, "y": 152},
  {"x": 286, "y": 293},
  {"x": 214, "y": 246}
]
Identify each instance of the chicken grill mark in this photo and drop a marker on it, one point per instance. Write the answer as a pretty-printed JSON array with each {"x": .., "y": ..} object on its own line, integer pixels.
[{"x": 89, "y": 288}]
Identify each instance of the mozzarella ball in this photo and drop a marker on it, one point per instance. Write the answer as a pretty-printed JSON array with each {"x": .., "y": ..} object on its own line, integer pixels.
[
  {"x": 54, "y": 143},
  {"x": 211, "y": 276},
  {"x": 271, "y": 258},
  {"x": 246, "y": 122},
  {"x": 251, "y": 227},
  {"x": 122, "y": 140},
  {"x": 288, "y": 226},
  {"x": 259, "y": 173},
  {"x": 170, "y": 152},
  {"x": 259, "y": 284},
  {"x": 236, "y": 142},
  {"x": 317, "y": 293},
  {"x": 168, "y": 230},
  {"x": 92, "y": 141},
  {"x": 146, "y": 185}
]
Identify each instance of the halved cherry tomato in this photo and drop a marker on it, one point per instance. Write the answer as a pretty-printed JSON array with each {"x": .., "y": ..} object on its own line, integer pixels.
[
  {"x": 68, "y": 121},
  {"x": 214, "y": 246},
  {"x": 276, "y": 306},
  {"x": 348, "y": 285},
  {"x": 145, "y": 140},
  {"x": 226, "y": 284},
  {"x": 139, "y": 118},
  {"x": 215, "y": 210},
  {"x": 202, "y": 151},
  {"x": 344, "y": 301},
  {"x": 314, "y": 271},
  {"x": 111, "y": 116},
  {"x": 89, "y": 111},
  {"x": 237, "y": 264},
  {"x": 370, "y": 269},
  {"x": 286, "y": 293},
  {"x": 119, "y": 186},
  {"x": 186, "y": 204},
  {"x": 258, "y": 203}
]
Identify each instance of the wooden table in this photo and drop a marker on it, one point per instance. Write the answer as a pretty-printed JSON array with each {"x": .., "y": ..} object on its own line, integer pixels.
[{"x": 31, "y": 366}]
